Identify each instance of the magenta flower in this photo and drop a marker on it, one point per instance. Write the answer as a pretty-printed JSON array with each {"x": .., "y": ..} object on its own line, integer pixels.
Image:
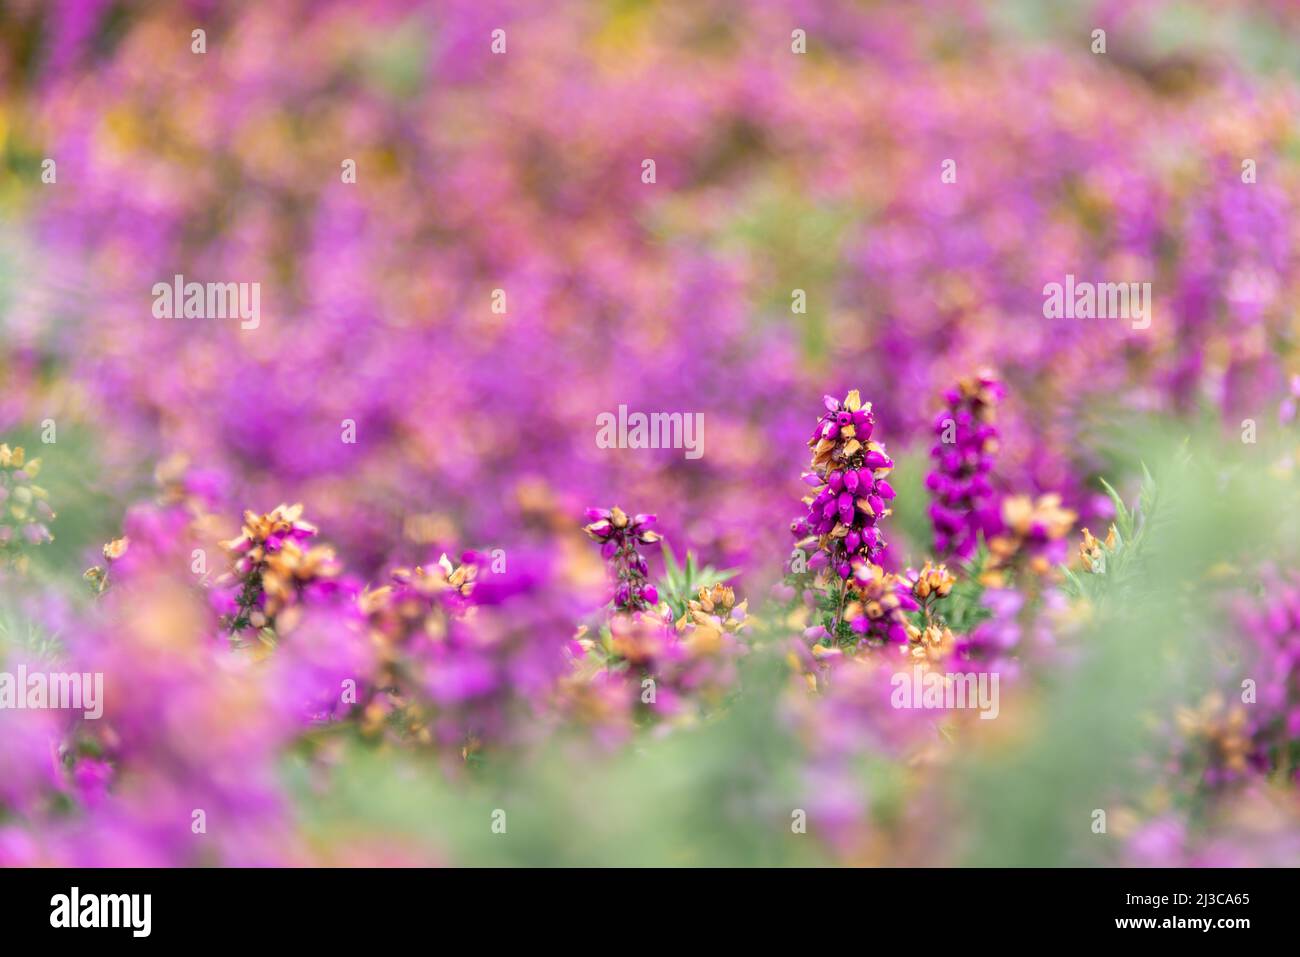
[
  {"x": 965, "y": 503},
  {"x": 850, "y": 491},
  {"x": 619, "y": 537}
]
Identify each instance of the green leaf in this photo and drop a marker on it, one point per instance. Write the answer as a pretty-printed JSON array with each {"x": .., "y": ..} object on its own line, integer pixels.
[
  {"x": 1119, "y": 573},
  {"x": 1123, "y": 517},
  {"x": 681, "y": 583},
  {"x": 1148, "y": 496},
  {"x": 672, "y": 571}
]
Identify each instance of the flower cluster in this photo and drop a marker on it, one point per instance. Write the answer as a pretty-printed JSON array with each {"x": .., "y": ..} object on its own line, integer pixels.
[
  {"x": 273, "y": 566},
  {"x": 1218, "y": 739},
  {"x": 286, "y": 661},
  {"x": 932, "y": 582},
  {"x": 1028, "y": 534},
  {"x": 25, "y": 511},
  {"x": 714, "y": 610},
  {"x": 650, "y": 671},
  {"x": 619, "y": 537},
  {"x": 964, "y": 503},
  {"x": 932, "y": 641},
  {"x": 413, "y": 621},
  {"x": 877, "y": 605},
  {"x": 1271, "y": 623},
  {"x": 645, "y": 667},
  {"x": 867, "y": 605},
  {"x": 1093, "y": 550},
  {"x": 850, "y": 491}
]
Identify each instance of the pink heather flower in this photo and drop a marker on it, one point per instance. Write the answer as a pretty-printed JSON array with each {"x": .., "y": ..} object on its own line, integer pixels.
[
  {"x": 850, "y": 491},
  {"x": 1271, "y": 627},
  {"x": 1286, "y": 412},
  {"x": 468, "y": 657},
  {"x": 840, "y": 531},
  {"x": 272, "y": 567},
  {"x": 965, "y": 504},
  {"x": 619, "y": 537},
  {"x": 29, "y": 772}
]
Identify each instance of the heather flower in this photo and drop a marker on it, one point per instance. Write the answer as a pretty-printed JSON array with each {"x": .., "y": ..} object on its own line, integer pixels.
[
  {"x": 715, "y": 609},
  {"x": 468, "y": 657},
  {"x": 848, "y": 478},
  {"x": 877, "y": 608},
  {"x": 180, "y": 483},
  {"x": 1290, "y": 405},
  {"x": 709, "y": 633},
  {"x": 29, "y": 773},
  {"x": 598, "y": 700},
  {"x": 640, "y": 640},
  {"x": 964, "y": 499},
  {"x": 288, "y": 592},
  {"x": 933, "y": 640},
  {"x": 417, "y": 606},
  {"x": 1217, "y": 737},
  {"x": 619, "y": 537},
  {"x": 419, "y": 600},
  {"x": 1159, "y": 842},
  {"x": 669, "y": 671},
  {"x": 455, "y": 657},
  {"x": 850, "y": 491},
  {"x": 1270, "y": 623},
  {"x": 931, "y": 582},
  {"x": 194, "y": 726},
  {"x": 1018, "y": 625},
  {"x": 1028, "y": 534},
  {"x": 690, "y": 675},
  {"x": 322, "y": 663},
  {"x": 839, "y": 708},
  {"x": 931, "y": 644},
  {"x": 1254, "y": 825},
  {"x": 666, "y": 673},
  {"x": 997, "y": 636},
  {"x": 273, "y": 567}
]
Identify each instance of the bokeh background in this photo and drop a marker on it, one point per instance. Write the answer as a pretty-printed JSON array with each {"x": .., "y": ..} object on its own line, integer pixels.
[{"x": 776, "y": 171}]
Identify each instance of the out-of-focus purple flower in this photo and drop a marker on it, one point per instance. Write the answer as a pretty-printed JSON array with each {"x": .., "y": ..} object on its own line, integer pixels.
[{"x": 965, "y": 504}]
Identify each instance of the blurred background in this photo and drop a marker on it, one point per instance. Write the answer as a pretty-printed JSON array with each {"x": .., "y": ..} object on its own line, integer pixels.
[{"x": 798, "y": 239}]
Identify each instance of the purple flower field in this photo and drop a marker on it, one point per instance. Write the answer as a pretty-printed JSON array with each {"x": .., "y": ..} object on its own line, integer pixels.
[{"x": 630, "y": 433}]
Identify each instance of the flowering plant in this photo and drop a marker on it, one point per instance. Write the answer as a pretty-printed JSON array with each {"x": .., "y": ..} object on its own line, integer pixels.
[{"x": 433, "y": 261}]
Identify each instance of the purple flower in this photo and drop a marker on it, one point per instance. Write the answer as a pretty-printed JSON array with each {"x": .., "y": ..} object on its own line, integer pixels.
[
  {"x": 619, "y": 537},
  {"x": 848, "y": 475},
  {"x": 964, "y": 500}
]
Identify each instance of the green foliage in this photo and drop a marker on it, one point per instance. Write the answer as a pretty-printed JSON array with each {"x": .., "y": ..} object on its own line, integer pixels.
[
  {"x": 20, "y": 633},
  {"x": 1118, "y": 573},
  {"x": 829, "y": 602},
  {"x": 721, "y": 794},
  {"x": 681, "y": 583},
  {"x": 964, "y": 608}
]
